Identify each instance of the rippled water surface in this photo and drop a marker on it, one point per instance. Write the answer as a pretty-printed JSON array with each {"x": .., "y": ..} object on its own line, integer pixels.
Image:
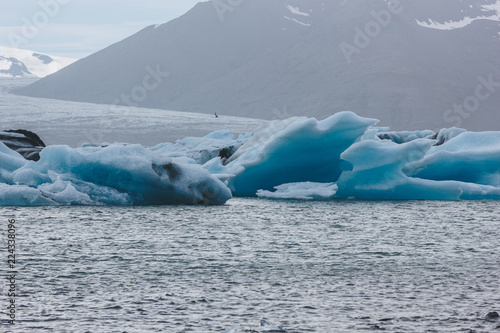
[{"x": 342, "y": 266}]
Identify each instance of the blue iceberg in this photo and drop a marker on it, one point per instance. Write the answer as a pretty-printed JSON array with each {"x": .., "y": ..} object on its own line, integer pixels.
[
  {"x": 294, "y": 150},
  {"x": 113, "y": 175},
  {"x": 300, "y": 158},
  {"x": 377, "y": 173},
  {"x": 343, "y": 156}
]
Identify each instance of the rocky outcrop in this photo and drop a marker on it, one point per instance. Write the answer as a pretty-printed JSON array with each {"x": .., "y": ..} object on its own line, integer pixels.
[{"x": 26, "y": 143}]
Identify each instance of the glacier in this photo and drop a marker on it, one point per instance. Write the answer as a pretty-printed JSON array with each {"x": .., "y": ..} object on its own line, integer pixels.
[{"x": 344, "y": 156}]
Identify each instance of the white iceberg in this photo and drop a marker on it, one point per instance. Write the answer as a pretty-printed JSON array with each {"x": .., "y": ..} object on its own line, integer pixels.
[{"x": 301, "y": 191}]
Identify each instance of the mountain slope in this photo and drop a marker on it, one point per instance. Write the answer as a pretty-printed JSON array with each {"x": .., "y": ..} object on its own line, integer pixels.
[
  {"x": 390, "y": 60},
  {"x": 24, "y": 63}
]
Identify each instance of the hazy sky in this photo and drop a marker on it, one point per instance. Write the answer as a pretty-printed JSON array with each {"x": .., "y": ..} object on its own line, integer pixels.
[{"x": 77, "y": 28}]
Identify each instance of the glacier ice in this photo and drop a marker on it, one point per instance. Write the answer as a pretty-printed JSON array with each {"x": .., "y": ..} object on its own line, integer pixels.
[
  {"x": 216, "y": 144},
  {"x": 295, "y": 150},
  {"x": 469, "y": 157},
  {"x": 287, "y": 158},
  {"x": 378, "y": 174},
  {"x": 343, "y": 156},
  {"x": 113, "y": 175},
  {"x": 405, "y": 136},
  {"x": 302, "y": 191}
]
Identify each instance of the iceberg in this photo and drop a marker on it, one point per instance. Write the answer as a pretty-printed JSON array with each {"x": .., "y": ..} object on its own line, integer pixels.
[
  {"x": 378, "y": 174},
  {"x": 294, "y": 150},
  {"x": 300, "y": 158},
  {"x": 343, "y": 156},
  {"x": 220, "y": 143},
  {"x": 468, "y": 157},
  {"x": 301, "y": 191},
  {"x": 113, "y": 175}
]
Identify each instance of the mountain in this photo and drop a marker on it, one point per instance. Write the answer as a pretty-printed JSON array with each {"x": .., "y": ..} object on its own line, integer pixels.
[
  {"x": 23, "y": 63},
  {"x": 411, "y": 63}
]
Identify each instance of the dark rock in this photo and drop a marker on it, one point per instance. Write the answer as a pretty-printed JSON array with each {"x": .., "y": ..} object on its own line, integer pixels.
[
  {"x": 44, "y": 58},
  {"x": 492, "y": 316},
  {"x": 441, "y": 140},
  {"x": 227, "y": 152},
  {"x": 376, "y": 327},
  {"x": 32, "y": 136},
  {"x": 26, "y": 143},
  {"x": 17, "y": 68},
  {"x": 172, "y": 170}
]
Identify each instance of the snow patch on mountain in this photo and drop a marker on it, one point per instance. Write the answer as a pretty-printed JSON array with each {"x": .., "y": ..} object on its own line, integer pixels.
[
  {"x": 24, "y": 63},
  {"x": 296, "y": 11},
  {"x": 297, "y": 21},
  {"x": 451, "y": 24}
]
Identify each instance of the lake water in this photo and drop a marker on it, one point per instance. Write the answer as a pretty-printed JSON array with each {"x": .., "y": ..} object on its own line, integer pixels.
[{"x": 341, "y": 266}]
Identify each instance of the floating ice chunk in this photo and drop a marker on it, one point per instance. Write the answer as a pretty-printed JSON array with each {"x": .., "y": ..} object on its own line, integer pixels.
[
  {"x": 301, "y": 158},
  {"x": 302, "y": 191},
  {"x": 115, "y": 174},
  {"x": 377, "y": 174},
  {"x": 294, "y": 150},
  {"x": 469, "y": 157}
]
